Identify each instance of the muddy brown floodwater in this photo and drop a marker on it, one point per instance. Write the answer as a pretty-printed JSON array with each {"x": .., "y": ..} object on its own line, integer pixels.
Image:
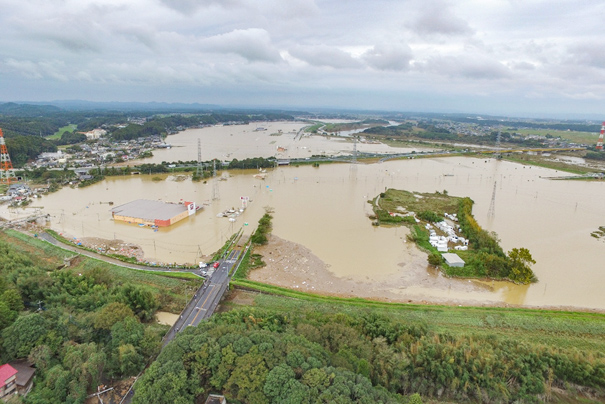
[{"x": 324, "y": 211}]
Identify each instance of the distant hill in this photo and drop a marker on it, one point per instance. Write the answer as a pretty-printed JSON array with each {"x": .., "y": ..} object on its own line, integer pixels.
[
  {"x": 27, "y": 110},
  {"x": 81, "y": 105}
]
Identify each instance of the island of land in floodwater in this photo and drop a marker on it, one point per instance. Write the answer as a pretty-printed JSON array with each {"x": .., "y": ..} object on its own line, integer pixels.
[
  {"x": 325, "y": 210},
  {"x": 477, "y": 252}
]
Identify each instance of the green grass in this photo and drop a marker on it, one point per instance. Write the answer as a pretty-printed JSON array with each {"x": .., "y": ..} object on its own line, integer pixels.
[
  {"x": 417, "y": 202},
  {"x": 554, "y": 165},
  {"x": 572, "y": 136},
  {"x": 57, "y": 134},
  {"x": 313, "y": 128},
  {"x": 37, "y": 246},
  {"x": 177, "y": 275},
  {"x": 581, "y": 330}
]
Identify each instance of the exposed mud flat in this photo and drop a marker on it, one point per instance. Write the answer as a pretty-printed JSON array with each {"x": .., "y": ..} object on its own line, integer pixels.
[{"x": 294, "y": 266}]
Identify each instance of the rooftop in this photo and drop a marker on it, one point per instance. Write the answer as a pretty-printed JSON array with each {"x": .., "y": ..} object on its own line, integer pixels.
[
  {"x": 452, "y": 259},
  {"x": 26, "y": 372},
  {"x": 149, "y": 210},
  {"x": 6, "y": 372}
]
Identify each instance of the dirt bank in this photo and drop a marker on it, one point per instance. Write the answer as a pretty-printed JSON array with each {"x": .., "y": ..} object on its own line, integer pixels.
[{"x": 294, "y": 266}]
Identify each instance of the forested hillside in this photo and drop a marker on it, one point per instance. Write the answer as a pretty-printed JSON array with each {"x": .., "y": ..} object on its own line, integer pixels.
[
  {"x": 82, "y": 325},
  {"x": 293, "y": 351}
]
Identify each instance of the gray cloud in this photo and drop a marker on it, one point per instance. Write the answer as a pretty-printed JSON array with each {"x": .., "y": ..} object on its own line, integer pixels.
[
  {"x": 252, "y": 44},
  {"x": 151, "y": 48},
  {"x": 190, "y": 6},
  {"x": 388, "y": 57},
  {"x": 437, "y": 18},
  {"x": 467, "y": 66},
  {"x": 323, "y": 55},
  {"x": 590, "y": 53}
]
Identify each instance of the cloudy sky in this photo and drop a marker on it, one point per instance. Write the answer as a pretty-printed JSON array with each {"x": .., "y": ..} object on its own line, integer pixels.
[{"x": 505, "y": 57}]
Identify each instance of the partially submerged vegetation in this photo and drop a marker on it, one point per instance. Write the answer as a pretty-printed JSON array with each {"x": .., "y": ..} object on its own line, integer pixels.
[
  {"x": 262, "y": 231},
  {"x": 483, "y": 256},
  {"x": 599, "y": 233}
]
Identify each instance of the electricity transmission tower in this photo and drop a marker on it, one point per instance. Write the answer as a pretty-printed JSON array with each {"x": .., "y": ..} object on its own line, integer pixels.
[
  {"x": 215, "y": 195},
  {"x": 199, "y": 158},
  {"x": 492, "y": 206}
]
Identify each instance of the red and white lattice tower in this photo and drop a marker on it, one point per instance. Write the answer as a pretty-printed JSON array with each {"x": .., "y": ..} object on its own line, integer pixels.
[
  {"x": 600, "y": 141},
  {"x": 7, "y": 173}
]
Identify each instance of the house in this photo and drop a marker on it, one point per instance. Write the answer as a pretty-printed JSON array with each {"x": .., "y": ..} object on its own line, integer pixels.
[
  {"x": 25, "y": 376},
  {"x": 8, "y": 381}
]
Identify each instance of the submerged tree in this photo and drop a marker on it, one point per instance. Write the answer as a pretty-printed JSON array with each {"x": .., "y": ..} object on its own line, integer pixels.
[{"x": 520, "y": 260}]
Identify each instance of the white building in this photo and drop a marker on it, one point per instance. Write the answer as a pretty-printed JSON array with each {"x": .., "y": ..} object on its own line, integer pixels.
[
  {"x": 95, "y": 133},
  {"x": 453, "y": 260}
]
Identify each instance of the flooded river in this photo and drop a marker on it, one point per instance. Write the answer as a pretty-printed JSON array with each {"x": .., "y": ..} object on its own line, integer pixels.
[
  {"x": 264, "y": 139},
  {"x": 325, "y": 209}
]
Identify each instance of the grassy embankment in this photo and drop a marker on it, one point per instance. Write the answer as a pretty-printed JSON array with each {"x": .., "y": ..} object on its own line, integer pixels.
[
  {"x": 313, "y": 128},
  {"x": 173, "y": 290},
  {"x": 567, "y": 329},
  {"x": 129, "y": 260},
  {"x": 540, "y": 161}
]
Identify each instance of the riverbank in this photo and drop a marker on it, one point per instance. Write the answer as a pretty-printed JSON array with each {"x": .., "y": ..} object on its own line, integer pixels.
[{"x": 293, "y": 266}]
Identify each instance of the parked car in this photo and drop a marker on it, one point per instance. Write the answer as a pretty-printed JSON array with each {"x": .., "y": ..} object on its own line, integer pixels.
[{"x": 216, "y": 264}]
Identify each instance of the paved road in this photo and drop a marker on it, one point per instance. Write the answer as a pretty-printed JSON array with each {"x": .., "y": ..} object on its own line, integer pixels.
[
  {"x": 206, "y": 298},
  {"x": 74, "y": 249}
]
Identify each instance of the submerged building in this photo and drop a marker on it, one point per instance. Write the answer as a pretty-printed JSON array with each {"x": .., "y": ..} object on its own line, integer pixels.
[{"x": 153, "y": 213}]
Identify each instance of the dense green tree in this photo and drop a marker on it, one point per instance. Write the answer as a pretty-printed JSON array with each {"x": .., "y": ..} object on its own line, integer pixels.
[
  {"x": 277, "y": 382},
  {"x": 41, "y": 357},
  {"x": 112, "y": 313},
  {"x": 24, "y": 334},
  {"x": 7, "y": 316},
  {"x": 248, "y": 378},
  {"x": 520, "y": 261},
  {"x": 71, "y": 138},
  {"x": 127, "y": 331},
  {"x": 141, "y": 300},
  {"x": 13, "y": 299},
  {"x": 164, "y": 384},
  {"x": 25, "y": 148},
  {"x": 130, "y": 361}
]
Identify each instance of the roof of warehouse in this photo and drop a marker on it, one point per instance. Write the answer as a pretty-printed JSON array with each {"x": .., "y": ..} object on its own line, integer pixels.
[{"x": 150, "y": 210}]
